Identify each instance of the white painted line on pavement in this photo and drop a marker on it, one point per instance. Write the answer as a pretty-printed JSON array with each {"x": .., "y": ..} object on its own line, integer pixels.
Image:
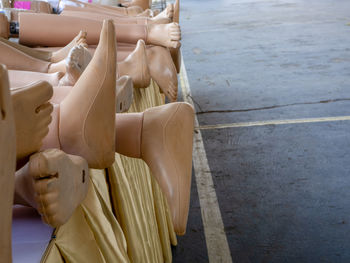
[
  {"x": 216, "y": 240},
  {"x": 272, "y": 122}
]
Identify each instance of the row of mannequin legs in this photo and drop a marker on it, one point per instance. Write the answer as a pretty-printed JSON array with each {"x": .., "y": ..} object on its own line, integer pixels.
[{"x": 59, "y": 110}]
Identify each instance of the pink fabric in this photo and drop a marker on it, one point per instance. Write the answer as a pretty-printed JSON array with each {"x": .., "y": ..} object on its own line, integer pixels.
[{"x": 22, "y": 5}]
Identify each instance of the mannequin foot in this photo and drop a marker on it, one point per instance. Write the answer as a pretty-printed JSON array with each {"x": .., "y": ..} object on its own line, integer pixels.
[
  {"x": 163, "y": 71},
  {"x": 159, "y": 20},
  {"x": 146, "y": 13},
  {"x": 168, "y": 12},
  {"x": 61, "y": 54},
  {"x": 166, "y": 35},
  {"x": 166, "y": 146},
  {"x": 135, "y": 65},
  {"x": 124, "y": 94},
  {"x": 60, "y": 183},
  {"x": 76, "y": 62},
  {"x": 90, "y": 131},
  {"x": 32, "y": 113}
]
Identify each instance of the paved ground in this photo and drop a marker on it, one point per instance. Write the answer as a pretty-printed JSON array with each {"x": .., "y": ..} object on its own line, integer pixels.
[{"x": 283, "y": 190}]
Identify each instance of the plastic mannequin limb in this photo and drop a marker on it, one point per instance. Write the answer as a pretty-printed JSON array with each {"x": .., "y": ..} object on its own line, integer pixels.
[
  {"x": 117, "y": 19},
  {"x": 124, "y": 94},
  {"x": 83, "y": 123},
  {"x": 175, "y": 52},
  {"x": 131, "y": 11},
  {"x": 163, "y": 71},
  {"x": 7, "y": 166},
  {"x": 54, "y": 183},
  {"x": 32, "y": 113},
  {"x": 136, "y": 66},
  {"x": 20, "y": 78},
  {"x": 56, "y": 56},
  {"x": 159, "y": 64},
  {"x": 166, "y": 15},
  {"x": 41, "y": 29},
  {"x": 162, "y": 137},
  {"x": 73, "y": 65},
  {"x": 144, "y": 4},
  {"x": 14, "y": 58},
  {"x": 41, "y": 7},
  {"x": 4, "y": 26},
  {"x": 147, "y": 13}
]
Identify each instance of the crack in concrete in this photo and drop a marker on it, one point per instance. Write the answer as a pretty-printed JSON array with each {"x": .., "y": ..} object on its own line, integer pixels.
[{"x": 272, "y": 107}]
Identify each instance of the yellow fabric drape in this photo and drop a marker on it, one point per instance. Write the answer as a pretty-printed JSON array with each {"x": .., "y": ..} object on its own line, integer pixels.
[{"x": 124, "y": 217}]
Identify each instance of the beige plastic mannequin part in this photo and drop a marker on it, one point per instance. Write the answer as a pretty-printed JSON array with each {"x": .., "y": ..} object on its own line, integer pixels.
[
  {"x": 7, "y": 166},
  {"x": 145, "y": 14},
  {"x": 12, "y": 13},
  {"x": 54, "y": 183},
  {"x": 41, "y": 29},
  {"x": 35, "y": 7},
  {"x": 55, "y": 56},
  {"x": 124, "y": 94},
  {"x": 175, "y": 52},
  {"x": 136, "y": 66},
  {"x": 163, "y": 18},
  {"x": 117, "y": 19},
  {"x": 73, "y": 65},
  {"x": 19, "y": 78},
  {"x": 131, "y": 11},
  {"x": 4, "y": 26},
  {"x": 163, "y": 71},
  {"x": 32, "y": 113},
  {"x": 144, "y": 4},
  {"x": 83, "y": 123},
  {"x": 41, "y": 7},
  {"x": 162, "y": 136}
]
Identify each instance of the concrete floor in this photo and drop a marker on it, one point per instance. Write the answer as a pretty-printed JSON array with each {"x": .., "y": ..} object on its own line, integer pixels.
[{"x": 283, "y": 190}]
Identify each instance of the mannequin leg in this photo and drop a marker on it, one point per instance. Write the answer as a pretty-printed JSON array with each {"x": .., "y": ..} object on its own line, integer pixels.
[
  {"x": 136, "y": 66},
  {"x": 54, "y": 183},
  {"x": 7, "y": 166},
  {"x": 132, "y": 11},
  {"x": 32, "y": 113},
  {"x": 73, "y": 65},
  {"x": 124, "y": 94},
  {"x": 46, "y": 55},
  {"x": 41, "y": 55},
  {"x": 85, "y": 123},
  {"x": 162, "y": 137},
  {"x": 144, "y": 4},
  {"x": 4, "y": 26},
  {"x": 163, "y": 71},
  {"x": 16, "y": 59},
  {"x": 144, "y": 14},
  {"x": 20, "y": 78},
  {"x": 117, "y": 19},
  {"x": 175, "y": 52},
  {"x": 42, "y": 29}
]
